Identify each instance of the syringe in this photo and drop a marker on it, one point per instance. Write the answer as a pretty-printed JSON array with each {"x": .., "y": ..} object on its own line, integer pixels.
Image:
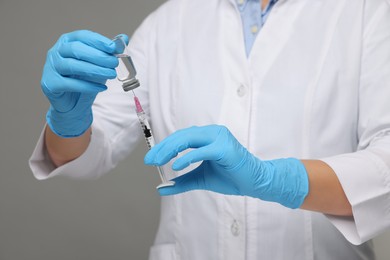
[
  {"x": 126, "y": 74},
  {"x": 147, "y": 131}
]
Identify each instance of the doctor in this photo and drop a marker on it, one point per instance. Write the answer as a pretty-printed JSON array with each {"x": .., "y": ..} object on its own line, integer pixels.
[{"x": 284, "y": 104}]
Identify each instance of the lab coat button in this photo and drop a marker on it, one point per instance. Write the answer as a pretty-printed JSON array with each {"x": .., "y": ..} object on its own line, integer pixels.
[
  {"x": 240, "y": 2},
  {"x": 235, "y": 228},
  {"x": 241, "y": 91}
]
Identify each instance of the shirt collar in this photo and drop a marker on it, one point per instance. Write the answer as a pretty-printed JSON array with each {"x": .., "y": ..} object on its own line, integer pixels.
[{"x": 237, "y": 2}]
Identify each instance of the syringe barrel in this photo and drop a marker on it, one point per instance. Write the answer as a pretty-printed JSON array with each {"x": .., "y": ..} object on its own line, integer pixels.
[{"x": 146, "y": 130}]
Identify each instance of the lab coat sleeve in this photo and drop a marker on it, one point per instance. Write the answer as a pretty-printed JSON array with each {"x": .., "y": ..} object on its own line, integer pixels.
[
  {"x": 365, "y": 174},
  {"x": 43, "y": 168},
  {"x": 115, "y": 128}
]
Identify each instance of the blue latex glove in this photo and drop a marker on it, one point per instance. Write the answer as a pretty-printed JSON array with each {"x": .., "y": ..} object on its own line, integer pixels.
[
  {"x": 228, "y": 168},
  {"x": 76, "y": 70}
]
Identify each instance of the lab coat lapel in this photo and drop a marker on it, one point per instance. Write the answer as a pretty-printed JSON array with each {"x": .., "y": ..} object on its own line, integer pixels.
[{"x": 274, "y": 34}]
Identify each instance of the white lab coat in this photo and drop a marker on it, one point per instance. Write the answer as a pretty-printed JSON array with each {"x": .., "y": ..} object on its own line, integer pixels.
[{"x": 316, "y": 85}]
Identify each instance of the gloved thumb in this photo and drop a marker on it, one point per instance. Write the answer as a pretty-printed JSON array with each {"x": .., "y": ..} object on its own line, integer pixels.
[
  {"x": 119, "y": 43},
  {"x": 124, "y": 37}
]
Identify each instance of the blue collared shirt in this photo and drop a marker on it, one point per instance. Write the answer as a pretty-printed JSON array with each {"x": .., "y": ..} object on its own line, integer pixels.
[{"x": 253, "y": 19}]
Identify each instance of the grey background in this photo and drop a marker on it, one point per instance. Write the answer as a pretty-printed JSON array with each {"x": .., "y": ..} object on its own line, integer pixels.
[{"x": 114, "y": 217}]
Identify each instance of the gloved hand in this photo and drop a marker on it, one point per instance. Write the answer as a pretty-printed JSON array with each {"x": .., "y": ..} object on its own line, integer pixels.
[
  {"x": 228, "y": 168},
  {"x": 76, "y": 70}
]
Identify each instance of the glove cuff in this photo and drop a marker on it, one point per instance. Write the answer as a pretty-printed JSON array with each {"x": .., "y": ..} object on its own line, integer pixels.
[
  {"x": 68, "y": 124},
  {"x": 295, "y": 182}
]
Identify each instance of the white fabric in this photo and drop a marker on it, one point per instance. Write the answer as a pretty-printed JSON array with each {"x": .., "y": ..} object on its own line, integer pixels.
[{"x": 316, "y": 85}]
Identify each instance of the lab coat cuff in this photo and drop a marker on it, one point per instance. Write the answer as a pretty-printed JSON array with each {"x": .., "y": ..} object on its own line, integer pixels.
[
  {"x": 43, "y": 168},
  {"x": 368, "y": 195}
]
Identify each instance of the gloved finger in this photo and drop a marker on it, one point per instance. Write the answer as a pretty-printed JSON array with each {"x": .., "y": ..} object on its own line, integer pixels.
[
  {"x": 56, "y": 85},
  {"x": 193, "y": 180},
  {"x": 193, "y": 137},
  {"x": 208, "y": 152},
  {"x": 99, "y": 81},
  {"x": 201, "y": 178},
  {"x": 90, "y": 38},
  {"x": 81, "y": 51},
  {"x": 83, "y": 70}
]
